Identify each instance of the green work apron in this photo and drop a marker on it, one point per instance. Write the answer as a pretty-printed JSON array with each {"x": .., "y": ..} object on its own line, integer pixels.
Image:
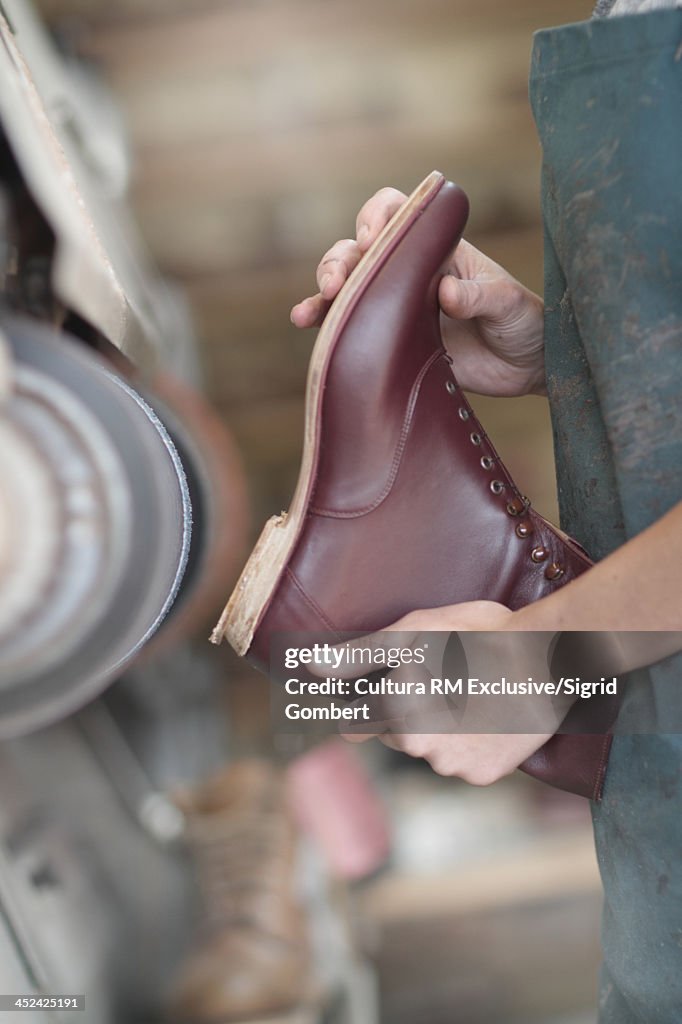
[{"x": 607, "y": 100}]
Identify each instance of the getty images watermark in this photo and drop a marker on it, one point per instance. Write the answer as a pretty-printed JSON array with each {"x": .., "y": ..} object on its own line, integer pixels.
[{"x": 458, "y": 682}]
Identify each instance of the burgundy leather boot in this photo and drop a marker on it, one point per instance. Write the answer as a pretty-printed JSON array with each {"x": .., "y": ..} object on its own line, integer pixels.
[{"x": 402, "y": 501}]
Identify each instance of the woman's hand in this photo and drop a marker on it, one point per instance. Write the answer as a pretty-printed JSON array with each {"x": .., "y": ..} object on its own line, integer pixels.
[
  {"x": 461, "y": 746},
  {"x": 492, "y": 325}
]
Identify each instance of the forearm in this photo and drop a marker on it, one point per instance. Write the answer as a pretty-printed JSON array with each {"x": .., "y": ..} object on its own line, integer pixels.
[{"x": 637, "y": 588}]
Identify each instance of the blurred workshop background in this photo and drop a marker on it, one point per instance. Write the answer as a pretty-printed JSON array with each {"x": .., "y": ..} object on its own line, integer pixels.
[{"x": 257, "y": 129}]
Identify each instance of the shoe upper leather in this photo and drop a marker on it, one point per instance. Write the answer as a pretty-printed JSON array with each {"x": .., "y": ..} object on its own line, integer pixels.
[{"x": 402, "y": 514}]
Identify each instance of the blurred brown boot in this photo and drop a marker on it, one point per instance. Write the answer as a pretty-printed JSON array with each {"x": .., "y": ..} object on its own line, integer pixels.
[{"x": 251, "y": 958}]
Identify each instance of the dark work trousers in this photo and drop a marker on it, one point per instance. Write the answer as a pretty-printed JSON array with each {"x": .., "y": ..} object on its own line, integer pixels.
[{"x": 607, "y": 100}]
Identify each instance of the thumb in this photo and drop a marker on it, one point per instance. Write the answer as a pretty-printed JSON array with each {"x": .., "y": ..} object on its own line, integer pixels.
[{"x": 463, "y": 300}]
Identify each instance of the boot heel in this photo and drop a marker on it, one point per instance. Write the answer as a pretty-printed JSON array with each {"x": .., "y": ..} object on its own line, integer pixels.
[{"x": 256, "y": 584}]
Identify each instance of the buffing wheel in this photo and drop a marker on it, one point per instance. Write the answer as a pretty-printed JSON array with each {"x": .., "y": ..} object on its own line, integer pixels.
[{"x": 95, "y": 526}]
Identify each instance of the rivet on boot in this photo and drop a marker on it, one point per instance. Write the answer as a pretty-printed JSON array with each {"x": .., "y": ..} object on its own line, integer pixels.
[{"x": 515, "y": 507}]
